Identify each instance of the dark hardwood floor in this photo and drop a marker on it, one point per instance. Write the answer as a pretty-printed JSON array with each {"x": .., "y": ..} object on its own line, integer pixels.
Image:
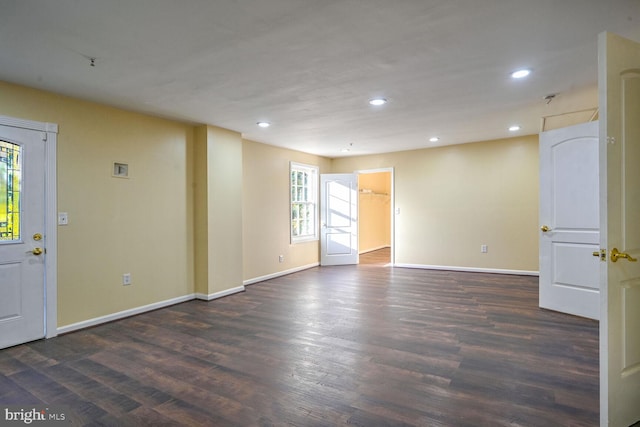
[
  {"x": 378, "y": 257},
  {"x": 352, "y": 345}
]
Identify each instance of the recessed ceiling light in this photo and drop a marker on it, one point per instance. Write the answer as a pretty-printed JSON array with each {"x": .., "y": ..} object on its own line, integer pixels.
[
  {"x": 377, "y": 101},
  {"x": 514, "y": 128},
  {"x": 264, "y": 124},
  {"x": 520, "y": 74},
  {"x": 434, "y": 139}
]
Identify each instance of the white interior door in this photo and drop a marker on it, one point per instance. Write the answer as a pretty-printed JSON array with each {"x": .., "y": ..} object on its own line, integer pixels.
[
  {"x": 619, "y": 99},
  {"x": 570, "y": 221},
  {"x": 22, "y": 235},
  {"x": 338, "y": 219}
]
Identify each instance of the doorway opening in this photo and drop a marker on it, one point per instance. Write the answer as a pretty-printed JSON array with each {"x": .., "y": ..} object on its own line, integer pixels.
[{"x": 375, "y": 216}]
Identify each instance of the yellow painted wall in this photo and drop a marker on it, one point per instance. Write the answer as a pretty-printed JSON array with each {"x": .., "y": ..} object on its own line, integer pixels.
[
  {"x": 454, "y": 199},
  {"x": 201, "y": 215},
  {"x": 374, "y": 208},
  {"x": 141, "y": 225},
  {"x": 218, "y": 210},
  {"x": 266, "y": 210}
]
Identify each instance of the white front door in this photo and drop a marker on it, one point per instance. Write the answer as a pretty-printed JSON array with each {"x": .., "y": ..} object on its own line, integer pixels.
[
  {"x": 619, "y": 99},
  {"x": 570, "y": 221},
  {"x": 338, "y": 219},
  {"x": 22, "y": 235}
]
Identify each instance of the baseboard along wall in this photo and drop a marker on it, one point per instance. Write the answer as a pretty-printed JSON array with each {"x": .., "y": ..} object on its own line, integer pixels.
[
  {"x": 279, "y": 274},
  {"x": 162, "y": 304},
  {"x": 210, "y": 297},
  {"x": 468, "y": 269}
]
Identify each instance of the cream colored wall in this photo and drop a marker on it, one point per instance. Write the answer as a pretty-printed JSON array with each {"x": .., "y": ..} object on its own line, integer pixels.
[
  {"x": 266, "y": 210},
  {"x": 141, "y": 225},
  {"x": 454, "y": 199},
  {"x": 201, "y": 215},
  {"x": 224, "y": 181},
  {"x": 374, "y": 205}
]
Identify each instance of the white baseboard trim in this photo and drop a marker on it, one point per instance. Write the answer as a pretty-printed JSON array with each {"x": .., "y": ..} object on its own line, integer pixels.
[
  {"x": 122, "y": 314},
  {"x": 220, "y": 294},
  {"x": 469, "y": 269},
  {"x": 374, "y": 249},
  {"x": 279, "y": 274}
]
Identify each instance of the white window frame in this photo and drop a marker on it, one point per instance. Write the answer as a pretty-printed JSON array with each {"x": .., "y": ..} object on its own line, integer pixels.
[{"x": 312, "y": 201}]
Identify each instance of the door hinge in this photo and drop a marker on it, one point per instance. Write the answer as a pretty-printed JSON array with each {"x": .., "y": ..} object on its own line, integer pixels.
[{"x": 44, "y": 136}]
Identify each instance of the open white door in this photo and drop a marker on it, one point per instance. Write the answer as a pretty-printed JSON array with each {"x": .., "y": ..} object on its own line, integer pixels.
[
  {"x": 619, "y": 98},
  {"x": 570, "y": 220},
  {"x": 338, "y": 219}
]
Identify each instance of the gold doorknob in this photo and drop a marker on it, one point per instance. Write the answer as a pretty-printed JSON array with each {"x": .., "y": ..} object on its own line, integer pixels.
[
  {"x": 615, "y": 255},
  {"x": 37, "y": 251},
  {"x": 545, "y": 228}
]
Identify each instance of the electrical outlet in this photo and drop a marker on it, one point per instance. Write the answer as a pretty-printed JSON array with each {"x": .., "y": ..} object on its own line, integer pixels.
[
  {"x": 126, "y": 279},
  {"x": 484, "y": 249},
  {"x": 281, "y": 258}
]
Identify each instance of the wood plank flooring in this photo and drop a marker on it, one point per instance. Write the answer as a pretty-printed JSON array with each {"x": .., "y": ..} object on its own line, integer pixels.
[
  {"x": 351, "y": 345},
  {"x": 380, "y": 257}
]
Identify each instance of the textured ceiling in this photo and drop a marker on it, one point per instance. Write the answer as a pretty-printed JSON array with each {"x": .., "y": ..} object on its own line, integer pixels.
[{"x": 310, "y": 66}]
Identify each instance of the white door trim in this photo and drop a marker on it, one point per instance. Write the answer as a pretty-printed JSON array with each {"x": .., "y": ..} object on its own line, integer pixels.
[
  {"x": 392, "y": 206},
  {"x": 50, "y": 132}
]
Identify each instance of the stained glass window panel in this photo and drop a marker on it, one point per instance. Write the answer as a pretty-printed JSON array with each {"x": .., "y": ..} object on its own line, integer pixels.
[{"x": 10, "y": 190}]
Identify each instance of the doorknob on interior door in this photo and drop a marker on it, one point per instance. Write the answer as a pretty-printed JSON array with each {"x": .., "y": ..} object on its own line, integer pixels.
[
  {"x": 615, "y": 255},
  {"x": 545, "y": 228}
]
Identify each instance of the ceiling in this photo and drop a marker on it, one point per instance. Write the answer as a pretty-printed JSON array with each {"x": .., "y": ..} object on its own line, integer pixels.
[{"x": 309, "y": 67}]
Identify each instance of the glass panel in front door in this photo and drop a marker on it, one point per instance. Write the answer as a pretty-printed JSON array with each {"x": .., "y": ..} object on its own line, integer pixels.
[{"x": 10, "y": 190}]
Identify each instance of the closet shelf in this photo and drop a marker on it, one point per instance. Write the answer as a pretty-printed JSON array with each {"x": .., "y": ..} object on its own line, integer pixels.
[{"x": 371, "y": 192}]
